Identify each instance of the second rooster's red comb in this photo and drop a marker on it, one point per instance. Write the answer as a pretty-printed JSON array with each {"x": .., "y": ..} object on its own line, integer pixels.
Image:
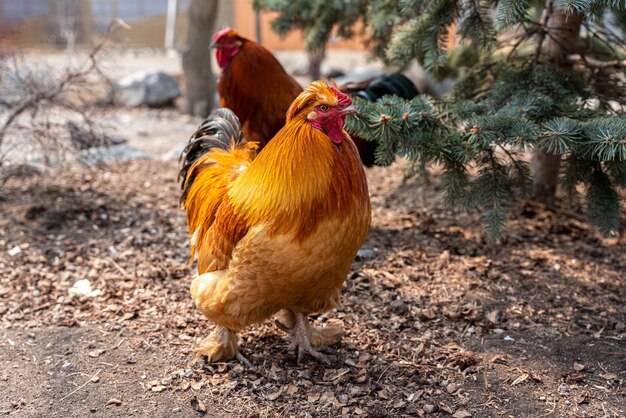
[{"x": 226, "y": 32}]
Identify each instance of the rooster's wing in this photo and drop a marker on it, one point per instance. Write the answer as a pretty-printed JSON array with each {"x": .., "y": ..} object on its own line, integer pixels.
[{"x": 215, "y": 156}]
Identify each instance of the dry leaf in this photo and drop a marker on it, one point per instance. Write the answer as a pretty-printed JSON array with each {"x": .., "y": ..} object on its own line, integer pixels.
[
  {"x": 274, "y": 396},
  {"x": 520, "y": 379},
  {"x": 198, "y": 405},
  {"x": 399, "y": 404},
  {"x": 583, "y": 398},
  {"x": 579, "y": 367},
  {"x": 575, "y": 377},
  {"x": 313, "y": 397},
  {"x": 499, "y": 359},
  {"x": 444, "y": 407},
  {"x": 461, "y": 413},
  {"x": 428, "y": 313},
  {"x": 493, "y": 316},
  {"x": 443, "y": 260},
  {"x": 327, "y": 397}
]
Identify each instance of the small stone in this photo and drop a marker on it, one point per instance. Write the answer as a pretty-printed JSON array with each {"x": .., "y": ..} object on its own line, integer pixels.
[
  {"x": 365, "y": 253},
  {"x": 399, "y": 307},
  {"x": 152, "y": 88},
  {"x": 430, "y": 408},
  {"x": 95, "y": 353},
  {"x": 177, "y": 409},
  {"x": 114, "y": 401}
]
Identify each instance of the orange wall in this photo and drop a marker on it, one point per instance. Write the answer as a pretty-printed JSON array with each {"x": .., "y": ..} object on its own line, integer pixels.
[{"x": 245, "y": 25}]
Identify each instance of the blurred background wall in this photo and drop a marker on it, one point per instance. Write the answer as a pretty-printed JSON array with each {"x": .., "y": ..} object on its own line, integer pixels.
[{"x": 76, "y": 23}]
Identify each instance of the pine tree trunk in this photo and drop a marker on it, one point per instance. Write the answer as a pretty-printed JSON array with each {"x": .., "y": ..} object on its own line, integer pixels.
[
  {"x": 197, "y": 57},
  {"x": 562, "y": 40},
  {"x": 316, "y": 56}
]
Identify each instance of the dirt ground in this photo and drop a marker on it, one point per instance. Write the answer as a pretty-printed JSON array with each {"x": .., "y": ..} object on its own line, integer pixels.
[{"x": 440, "y": 322}]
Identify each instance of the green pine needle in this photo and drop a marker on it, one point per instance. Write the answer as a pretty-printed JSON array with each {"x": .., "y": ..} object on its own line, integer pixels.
[
  {"x": 602, "y": 203},
  {"x": 559, "y": 135},
  {"x": 510, "y": 12}
]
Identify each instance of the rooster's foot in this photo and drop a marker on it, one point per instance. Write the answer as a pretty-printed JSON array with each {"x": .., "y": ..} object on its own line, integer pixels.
[
  {"x": 301, "y": 341},
  {"x": 220, "y": 345},
  {"x": 245, "y": 362}
]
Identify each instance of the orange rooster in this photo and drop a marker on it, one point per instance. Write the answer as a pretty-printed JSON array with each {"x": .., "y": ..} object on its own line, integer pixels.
[
  {"x": 275, "y": 232},
  {"x": 254, "y": 85},
  {"x": 259, "y": 90}
]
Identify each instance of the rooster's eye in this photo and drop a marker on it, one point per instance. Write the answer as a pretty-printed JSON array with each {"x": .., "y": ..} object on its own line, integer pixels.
[{"x": 323, "y": 108}]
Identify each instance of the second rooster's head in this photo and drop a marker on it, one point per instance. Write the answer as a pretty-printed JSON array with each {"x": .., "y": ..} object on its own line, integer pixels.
[
  {"x": 227, "y": 44},
  {"x": 324, "y": 107}
]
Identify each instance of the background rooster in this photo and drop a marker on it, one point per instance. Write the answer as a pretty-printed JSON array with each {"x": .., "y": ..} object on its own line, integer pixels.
[
  {"x": 277, "y": 232},
  {"x": 258, "y": 89},
  {"x": 254, "y": 85}
]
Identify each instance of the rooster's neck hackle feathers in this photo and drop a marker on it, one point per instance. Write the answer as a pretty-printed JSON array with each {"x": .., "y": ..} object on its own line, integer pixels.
[{"x": 304, "y": 175}]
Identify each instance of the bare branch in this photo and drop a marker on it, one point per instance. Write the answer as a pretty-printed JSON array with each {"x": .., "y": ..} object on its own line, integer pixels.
[
  {"x": 39, "y": 100},
  {"x": 35, "y": 98}
]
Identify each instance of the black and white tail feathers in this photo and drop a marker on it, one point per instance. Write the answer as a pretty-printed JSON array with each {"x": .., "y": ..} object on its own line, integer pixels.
[
  {"x": 221, "y": 129},
  {"x": 373, "y": 89}
]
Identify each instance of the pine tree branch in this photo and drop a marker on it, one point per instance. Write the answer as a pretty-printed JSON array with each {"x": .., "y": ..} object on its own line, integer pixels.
[
  {"x": 508, "y": 154},
  {"x": 542, "y": 29},
  {"x": 598, "y": 37},
  {"x": 595, "y": 63},
  {"x": 611, "y": 36},
  {"x": 527, "y": 34}
]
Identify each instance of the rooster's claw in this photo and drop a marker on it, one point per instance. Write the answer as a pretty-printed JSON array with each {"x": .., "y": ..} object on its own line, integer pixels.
[{"x": 245, "y": 362}]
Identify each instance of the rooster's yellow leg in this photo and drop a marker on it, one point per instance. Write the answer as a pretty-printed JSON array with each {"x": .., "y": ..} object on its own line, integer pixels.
[{"x": 301, "y": 341}]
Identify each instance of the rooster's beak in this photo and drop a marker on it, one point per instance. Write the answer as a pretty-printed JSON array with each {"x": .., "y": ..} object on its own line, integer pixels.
[
  {"x": 350, "y": 110},
  {"x": 213, "y": 44}
]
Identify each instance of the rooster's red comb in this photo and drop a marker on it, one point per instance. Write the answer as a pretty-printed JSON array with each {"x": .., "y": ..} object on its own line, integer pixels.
[
  {"x": 343, "y": 100},
  {"x": 224, "y": 33}
]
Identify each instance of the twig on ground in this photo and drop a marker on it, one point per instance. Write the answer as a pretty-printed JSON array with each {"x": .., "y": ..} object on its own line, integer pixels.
[{"x": 82, "y": 386}]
